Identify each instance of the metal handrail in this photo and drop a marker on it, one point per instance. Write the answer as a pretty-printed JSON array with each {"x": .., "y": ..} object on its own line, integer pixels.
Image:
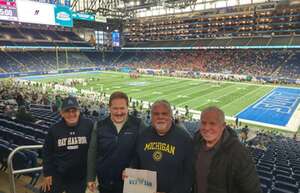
[{"x": 12, "y": 172}]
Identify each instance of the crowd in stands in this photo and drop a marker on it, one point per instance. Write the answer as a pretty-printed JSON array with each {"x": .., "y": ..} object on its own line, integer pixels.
[
  {"x": 243, "y": 62},
  {"x": 258, "y": 63}
]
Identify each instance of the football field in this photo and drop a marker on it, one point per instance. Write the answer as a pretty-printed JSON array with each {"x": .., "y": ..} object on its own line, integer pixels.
[{"x": 196, "y": 94}]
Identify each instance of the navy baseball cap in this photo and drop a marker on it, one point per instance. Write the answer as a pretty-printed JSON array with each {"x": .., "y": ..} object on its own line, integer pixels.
[{"x": 69, "y": 102}]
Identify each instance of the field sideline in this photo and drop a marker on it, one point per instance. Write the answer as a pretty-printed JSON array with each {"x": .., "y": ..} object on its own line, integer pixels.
[{"x": 197, "y": 94}]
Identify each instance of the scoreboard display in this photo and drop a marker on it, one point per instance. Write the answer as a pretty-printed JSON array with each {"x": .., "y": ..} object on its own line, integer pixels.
[
  {"x": 8, "y": 10},
  {"x": 26, "y": 11},
  {"x": 115, "y": 39}
]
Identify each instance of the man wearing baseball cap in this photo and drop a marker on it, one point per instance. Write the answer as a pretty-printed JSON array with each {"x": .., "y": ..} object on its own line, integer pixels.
[{"x": 65, "y": 151}]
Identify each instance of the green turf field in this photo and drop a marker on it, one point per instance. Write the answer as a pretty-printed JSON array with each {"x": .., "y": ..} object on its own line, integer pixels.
[{"x": 197, "y": 94}]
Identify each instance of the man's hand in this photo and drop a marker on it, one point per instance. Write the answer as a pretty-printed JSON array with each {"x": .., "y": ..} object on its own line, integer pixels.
[
  {"x": 92, "y": 186},
  {"x": 124, "y": 175},
  {"x": 47, "y": 183}
]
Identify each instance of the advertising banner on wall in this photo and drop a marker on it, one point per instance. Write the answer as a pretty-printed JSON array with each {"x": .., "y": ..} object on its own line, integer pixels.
[
  {"x": 8, "y": 10},
  {"x": 63, "y": 16},
  {"x": 101, "y": 19},
  {"x": 83, "y": 16},
  {"x": 34, "y": 12}
]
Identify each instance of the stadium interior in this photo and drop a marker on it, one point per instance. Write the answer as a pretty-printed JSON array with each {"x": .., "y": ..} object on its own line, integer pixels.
[{"x": 247, "y": 42}]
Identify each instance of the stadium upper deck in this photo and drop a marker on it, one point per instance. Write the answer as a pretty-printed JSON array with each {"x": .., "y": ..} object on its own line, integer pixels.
[{"x": 266, "y": 24}]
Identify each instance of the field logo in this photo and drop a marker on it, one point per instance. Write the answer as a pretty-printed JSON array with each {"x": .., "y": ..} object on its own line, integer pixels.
[{"x": 276, "y": 108}]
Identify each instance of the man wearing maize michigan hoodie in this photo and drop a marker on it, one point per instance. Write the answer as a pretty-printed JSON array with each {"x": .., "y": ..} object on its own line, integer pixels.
[
  {"x": 166, "y": 149},
  {"x": 65, "y": 151}
]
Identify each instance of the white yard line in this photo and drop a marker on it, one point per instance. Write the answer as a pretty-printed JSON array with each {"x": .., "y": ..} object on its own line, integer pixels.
[
  {"x": 228, "y": 93},
  {"x": 253, "y": 91},
  {"x": 211, "y": 93},
  {"x": 184, "y": 90}
]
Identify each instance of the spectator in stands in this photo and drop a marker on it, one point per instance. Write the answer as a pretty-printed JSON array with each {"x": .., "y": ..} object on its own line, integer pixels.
[
  {"x": 20, "y": 100},
  {"x": 58, "y": 102},
  {"x": 222, "y": 163},
  {"x": 64, "y": 149},
  {"x": 295, "y": 136},
  {"x": 23, "y": 115},
  {"x": 179, "y": 122},
  {"x": 148, "y": 116},
  {"x": 45, "y": 100},
  {"x": 102, "y": 111},
  {"x": 245, "y": 131},
  {"x": 135, "y": 112},
  {"x": 86, "y": 110},
  {"x": 166, "y": 148},
  {"x": 9, "y": 111},
  {"x": 237, "y": 122},
  {"x": 112, "y": 146},
  {"x": 95, "y": 113}
]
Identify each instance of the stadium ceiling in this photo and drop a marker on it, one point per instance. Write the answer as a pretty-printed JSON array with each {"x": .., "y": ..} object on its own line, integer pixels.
[
  {"x": 99, "y": 7},
  {"x": 126, "y": 8}
]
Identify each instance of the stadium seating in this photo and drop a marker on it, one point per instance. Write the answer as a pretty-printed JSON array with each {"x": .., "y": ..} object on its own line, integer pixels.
[
  {"x": 14, "y": 133},
  {"x": 255, "y": 25},
  {"x": 22, "y": 160},
  {"x": 13, "y": 36},
  {"x": 42, "y": 61},
  {"x": 277, "y": 167}
]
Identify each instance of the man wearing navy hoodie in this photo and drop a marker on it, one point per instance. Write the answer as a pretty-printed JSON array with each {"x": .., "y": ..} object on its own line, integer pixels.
[
  {"x": 65, "y": 151},
  {"x": 167, "y": 149}
]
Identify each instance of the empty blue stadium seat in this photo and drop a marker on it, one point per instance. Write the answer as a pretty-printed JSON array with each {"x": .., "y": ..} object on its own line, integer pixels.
[
  {"x": 4, "y": 142},
  {"x": 266, "y": 181},
  {"x": 288, "y": 187},
  {"x": 264, "y": 188},
  {"x": 265, "y": 174}
]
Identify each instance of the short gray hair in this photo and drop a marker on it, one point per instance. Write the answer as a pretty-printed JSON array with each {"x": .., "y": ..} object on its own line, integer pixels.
[
  {"x": 164, "y": 103},
  {"x": 220, "y": 113}
]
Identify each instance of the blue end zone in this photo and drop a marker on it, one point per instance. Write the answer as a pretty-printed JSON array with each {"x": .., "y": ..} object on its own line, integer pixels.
[{"x": 276, "y": 108}]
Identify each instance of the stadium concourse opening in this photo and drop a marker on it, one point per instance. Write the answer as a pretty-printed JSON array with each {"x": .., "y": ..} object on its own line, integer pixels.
[{"x": 239, "y": 55}]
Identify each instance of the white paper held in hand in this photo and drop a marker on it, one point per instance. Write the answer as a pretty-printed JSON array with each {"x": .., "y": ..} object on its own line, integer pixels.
[{"x": 139, "y": 181}]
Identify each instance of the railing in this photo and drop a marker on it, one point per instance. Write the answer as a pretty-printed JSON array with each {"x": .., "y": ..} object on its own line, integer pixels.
[{"x": 13, "y": 172}]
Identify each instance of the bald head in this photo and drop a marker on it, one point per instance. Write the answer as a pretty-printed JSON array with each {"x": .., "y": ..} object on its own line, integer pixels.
[{"x": 219, "y": 114}]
